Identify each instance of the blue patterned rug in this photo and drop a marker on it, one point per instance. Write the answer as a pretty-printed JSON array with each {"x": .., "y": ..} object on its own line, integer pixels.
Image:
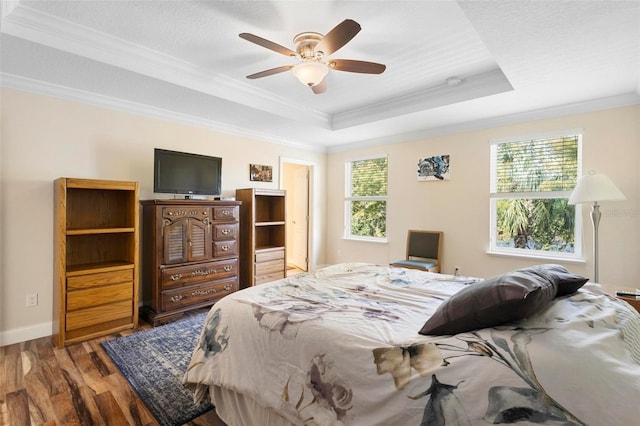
[{"x": 154, "y": 361}]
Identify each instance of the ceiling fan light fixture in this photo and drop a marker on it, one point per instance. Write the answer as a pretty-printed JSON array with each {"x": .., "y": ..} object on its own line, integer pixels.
[
  {"x": 313, "y": 50},
  {"x": 310, "y": 73}
]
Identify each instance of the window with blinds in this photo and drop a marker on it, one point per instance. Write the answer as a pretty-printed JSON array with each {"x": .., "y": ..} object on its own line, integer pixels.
[
  {"x": 531, "y": 181},
  {"x": 366, "y": 198}
]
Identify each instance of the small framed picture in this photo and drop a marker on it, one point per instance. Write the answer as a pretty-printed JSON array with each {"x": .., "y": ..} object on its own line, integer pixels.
[
  {"x": 434, "y": 168},
  {"x": 259, "y": 173}
]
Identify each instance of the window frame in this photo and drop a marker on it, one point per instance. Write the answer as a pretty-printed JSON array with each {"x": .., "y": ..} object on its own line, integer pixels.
[
  {"x": 577, "y": 255},
  {"x": 349, "y": 198}
]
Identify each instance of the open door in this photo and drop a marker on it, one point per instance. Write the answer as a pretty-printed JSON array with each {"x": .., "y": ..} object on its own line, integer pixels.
[{"x": 296, "y": 182}]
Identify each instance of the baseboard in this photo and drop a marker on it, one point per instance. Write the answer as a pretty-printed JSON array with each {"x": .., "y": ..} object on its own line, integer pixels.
[{"x": 23, "y": 334}]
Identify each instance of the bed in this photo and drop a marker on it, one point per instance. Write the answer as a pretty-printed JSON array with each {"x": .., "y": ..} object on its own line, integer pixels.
[{"x": 354, "y": 344}]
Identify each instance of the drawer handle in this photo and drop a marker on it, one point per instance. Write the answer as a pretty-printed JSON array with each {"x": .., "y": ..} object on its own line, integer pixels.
[
  {"x": 203, "y": 292},
  {"x": 176, "y": 277},
  {"x": 187, "y": 213},
  {"x": 226, "y": 231},
  {"x": 226, "y": 212},
  {"x": 228, "y": 268},
  {"x": 201, "y": 272},
  {"x": 224, "y": 248},
  {"x": 228, "y": 287},
  {"x": 176, "y": 298}
]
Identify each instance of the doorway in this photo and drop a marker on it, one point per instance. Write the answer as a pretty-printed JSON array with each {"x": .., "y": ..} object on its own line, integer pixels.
[{"x": 295, "y": 179}]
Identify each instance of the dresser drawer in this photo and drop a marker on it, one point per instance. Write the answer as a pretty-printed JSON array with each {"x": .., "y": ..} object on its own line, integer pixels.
[
  {"x": 203, "y": 293},
  {"x": 225, "y": 248},
  {"x": 182, "y": 276},
  {"x": 99, "y": 314},
  {"x": 195, "y": 212},
  {"x": 264, "y": 256},
  {"x": 225, "y": 231},
  {"x": 272, "y": 266},
  {"x": 100, "y": 279},
  {"x": 230, "y": 213},
  {"x": 261, "y": 279},
  {"x": 99, "y": 295}
]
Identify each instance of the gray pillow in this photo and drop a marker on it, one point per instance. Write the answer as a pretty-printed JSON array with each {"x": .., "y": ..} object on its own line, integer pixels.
[
  {"x": 568, "y": 283},
  {"x": 495, "y": 301}
]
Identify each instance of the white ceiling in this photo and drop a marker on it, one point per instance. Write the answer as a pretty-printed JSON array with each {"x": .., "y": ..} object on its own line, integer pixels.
[{"x": 183, "y": 60}]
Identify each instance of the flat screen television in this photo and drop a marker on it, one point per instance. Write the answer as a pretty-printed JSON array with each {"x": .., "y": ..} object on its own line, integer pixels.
[{"x": 183, "y": 173}]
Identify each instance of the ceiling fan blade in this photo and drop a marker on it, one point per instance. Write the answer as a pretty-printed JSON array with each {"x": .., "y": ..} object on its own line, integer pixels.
[
  {"x": 269, "y": 72},
  {"x": 268, "y": 44},
  {"x": 356, "y": 66},
  {"x": 338, "y": 36},
  {"x": 320, "y": 87}
]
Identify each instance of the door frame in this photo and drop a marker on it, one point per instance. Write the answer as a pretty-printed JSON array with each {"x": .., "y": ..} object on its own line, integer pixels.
[{"x": 310, "y": 167}]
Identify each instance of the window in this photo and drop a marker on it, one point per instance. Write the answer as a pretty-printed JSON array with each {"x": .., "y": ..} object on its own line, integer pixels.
[
  {"x": 531, "y": 181},
  {"x": 366, "y": 199}
]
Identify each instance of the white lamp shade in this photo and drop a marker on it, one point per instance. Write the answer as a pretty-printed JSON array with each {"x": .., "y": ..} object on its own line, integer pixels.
[
  {"x": 595, "y": 187},
  {"x": 310, "y": 73}
]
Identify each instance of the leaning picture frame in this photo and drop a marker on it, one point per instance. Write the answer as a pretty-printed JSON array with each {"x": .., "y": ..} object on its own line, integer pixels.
[{"x": 260, "y": 173}]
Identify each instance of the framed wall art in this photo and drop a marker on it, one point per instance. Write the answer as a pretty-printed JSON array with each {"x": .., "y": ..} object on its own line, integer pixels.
[
  {"x": 260, "y": 173},
  {"x": 434, "y": 168}
]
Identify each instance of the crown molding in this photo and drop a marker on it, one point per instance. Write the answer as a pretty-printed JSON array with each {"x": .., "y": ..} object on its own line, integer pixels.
[
  {"x": 472, "y": 87},
  {"x": 42, "y": 28},
  {"x": 7, "y": 6},
  {"x": 89, "y": 98},
  {"x": 602, "y": 104}
]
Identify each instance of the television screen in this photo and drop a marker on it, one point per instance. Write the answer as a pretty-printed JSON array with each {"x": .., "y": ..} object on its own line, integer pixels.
[{"x": 183, "y": 173}]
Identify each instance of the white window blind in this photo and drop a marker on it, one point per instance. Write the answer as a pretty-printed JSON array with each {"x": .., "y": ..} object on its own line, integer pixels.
[{"x": 537, "y": 165}]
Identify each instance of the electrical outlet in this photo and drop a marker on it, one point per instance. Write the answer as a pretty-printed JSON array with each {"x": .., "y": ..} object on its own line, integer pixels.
[{"x": 32, "y": 299}]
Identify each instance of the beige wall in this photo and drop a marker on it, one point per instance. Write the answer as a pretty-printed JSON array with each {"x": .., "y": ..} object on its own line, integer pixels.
[
  {"x": 45, "y": 138},
  {"x": 460, "y": 207}
]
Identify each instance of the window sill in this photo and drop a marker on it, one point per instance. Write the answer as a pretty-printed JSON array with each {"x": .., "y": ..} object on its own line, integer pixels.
[
  {"x": 366, "y": 239},
  {"x": 549, "y": 257}
]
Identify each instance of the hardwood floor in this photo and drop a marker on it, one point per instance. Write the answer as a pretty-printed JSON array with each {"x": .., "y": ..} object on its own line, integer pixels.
[
  {"x": 293, "y": 270},
  {"x": 43, "y": 385}
]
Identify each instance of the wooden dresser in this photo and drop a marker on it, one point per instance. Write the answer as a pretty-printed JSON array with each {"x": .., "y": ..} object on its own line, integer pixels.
[{"x": 189, "y": 256}]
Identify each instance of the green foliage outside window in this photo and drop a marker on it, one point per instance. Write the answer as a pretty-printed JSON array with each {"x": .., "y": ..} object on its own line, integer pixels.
[
  {"x": 368, "y": 184},
  {"x": 541, "y": 169},
  {"x": 369, "y": 218},
  {"x": 536, "y": 224}
]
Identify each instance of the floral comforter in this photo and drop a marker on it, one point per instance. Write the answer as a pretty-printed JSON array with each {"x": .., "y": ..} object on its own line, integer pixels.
[{"x": 341, "y": 346}]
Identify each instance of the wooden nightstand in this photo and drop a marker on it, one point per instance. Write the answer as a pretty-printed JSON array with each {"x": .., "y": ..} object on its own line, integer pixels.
[
  {"x": 632, "y": 301},
  {"x": 610, "y": 289}
]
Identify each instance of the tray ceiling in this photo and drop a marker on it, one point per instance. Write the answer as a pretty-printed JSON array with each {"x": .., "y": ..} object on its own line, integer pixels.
[{"x": 184, "y": 61}]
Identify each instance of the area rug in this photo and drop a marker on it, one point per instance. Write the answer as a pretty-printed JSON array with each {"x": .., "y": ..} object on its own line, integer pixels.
[{"x": 154, "y": 361}]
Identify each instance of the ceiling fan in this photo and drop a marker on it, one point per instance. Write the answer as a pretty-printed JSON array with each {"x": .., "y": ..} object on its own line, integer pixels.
[{"x": 313, "y": 49}]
